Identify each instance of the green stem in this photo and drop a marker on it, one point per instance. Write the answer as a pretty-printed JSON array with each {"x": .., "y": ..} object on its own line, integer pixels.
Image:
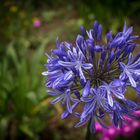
[{"x": 88, "y": 134}]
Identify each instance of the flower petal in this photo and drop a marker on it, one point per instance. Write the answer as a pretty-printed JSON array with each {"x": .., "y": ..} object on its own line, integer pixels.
[
  {"x": 68, "y": 105},
  {"x": 58, "y": 99},
  {"x": 110, "y": 99},
  {"x": 68, "y": 75},
  {"x": 87, "y": 66},
  {"x": 66, "y": 64},
  {"x": 132, "y": 81},
  {"x": 86, "y": 90},
  {"x": 82, "y": 77}
]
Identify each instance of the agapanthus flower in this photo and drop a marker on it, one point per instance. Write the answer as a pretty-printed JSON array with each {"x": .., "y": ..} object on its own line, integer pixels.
[{"x": 95, "y": 72}]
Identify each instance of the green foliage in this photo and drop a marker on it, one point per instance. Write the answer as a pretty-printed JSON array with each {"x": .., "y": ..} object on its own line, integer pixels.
[
  {"x": 21, "y": 91},
  {"x": 111, "y": 13},
  {"x": 14, "y": 19}
]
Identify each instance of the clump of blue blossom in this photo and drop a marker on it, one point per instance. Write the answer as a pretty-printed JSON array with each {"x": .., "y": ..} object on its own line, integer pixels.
[{"x": 96, "y": 73}]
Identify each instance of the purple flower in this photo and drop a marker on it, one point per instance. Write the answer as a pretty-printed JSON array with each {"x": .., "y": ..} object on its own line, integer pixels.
[
  {"x": 131, "y": 70},
  {"x": 75, "y": 59},
  {"x": 65, "y": 97},
  {"x": 95, "y": 100},
  {"x": 96, "y": 75},
  {"x": 123, "y": 38},
  {"x": 117, "y": 88}
]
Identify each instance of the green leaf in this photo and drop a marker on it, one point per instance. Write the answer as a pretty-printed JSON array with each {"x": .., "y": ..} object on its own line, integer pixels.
[{"x": 26, "y": 130}]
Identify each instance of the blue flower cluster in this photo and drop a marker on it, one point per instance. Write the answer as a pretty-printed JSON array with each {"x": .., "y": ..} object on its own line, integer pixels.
[{"x": 96, "y": 73}]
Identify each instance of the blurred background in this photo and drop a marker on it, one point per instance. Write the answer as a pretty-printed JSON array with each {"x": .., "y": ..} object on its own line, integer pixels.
[{"x": 28, "y": 29}]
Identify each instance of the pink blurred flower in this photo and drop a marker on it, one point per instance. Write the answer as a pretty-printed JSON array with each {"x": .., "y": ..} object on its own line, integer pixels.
[
  {"x": 135, "y": 124},
  {"x": 127, "y": 130},
  {"x": 111, "y": 132},
  {"x": 106, "y": 137},
  {"x": 36, "y": 22},
  {"x": 98, "y": 128},
  {"x": 128, "y": 120},
  {"x": 137, "y": 112}
]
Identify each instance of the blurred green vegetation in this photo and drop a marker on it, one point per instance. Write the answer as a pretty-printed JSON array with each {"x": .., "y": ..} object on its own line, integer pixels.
[
  {"x": 25, "y": 112},
  {"x": 21, "y": 92}
]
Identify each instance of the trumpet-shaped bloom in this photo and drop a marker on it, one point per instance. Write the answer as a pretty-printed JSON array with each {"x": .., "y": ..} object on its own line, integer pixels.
[{"x": 95, "y": 74}]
